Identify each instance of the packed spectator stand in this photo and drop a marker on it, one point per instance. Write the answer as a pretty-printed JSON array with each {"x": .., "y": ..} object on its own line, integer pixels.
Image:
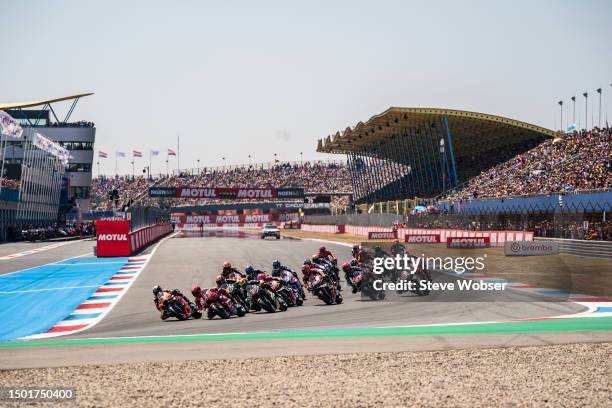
[
  {"x": 314, "y": 177},
  {"x": 570, "y": 162}
]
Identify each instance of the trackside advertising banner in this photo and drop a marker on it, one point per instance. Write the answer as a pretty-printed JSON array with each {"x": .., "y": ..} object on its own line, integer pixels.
[
  {"x": 382, "y": 235},
  {"x": 471, "y": 242},
  {"x": 181, "y": 220},
  {"x": 226, "y": 192},
  {"x": 112, "y": 238},
  {"x": 423, "y": 239}
]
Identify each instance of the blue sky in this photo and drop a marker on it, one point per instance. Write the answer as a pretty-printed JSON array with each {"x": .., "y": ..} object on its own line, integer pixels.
[{"x": 242, "y": 77}]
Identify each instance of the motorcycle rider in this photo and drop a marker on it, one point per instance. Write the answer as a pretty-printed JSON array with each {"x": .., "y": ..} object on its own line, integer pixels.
[
  {"x": 397, "y": 248},
  {"x": 350, "y": 269},
  {"x": 228, "y": 270},
  {"x": 158, "y": 293},
  {"x": 280, "y": 271},
  {"x": 251, "y": 273},
  {"x": 202, "y": 300},
  {"x": 328, "y": 267},
  {"x": 326, "y": 254}
]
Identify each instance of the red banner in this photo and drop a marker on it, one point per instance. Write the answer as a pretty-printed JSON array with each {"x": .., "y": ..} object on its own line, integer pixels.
[
  {"x": 113, "y": 238},
  {"x": 423, "y": 239},
  {"x": 382, "y": 235},
  {"x": 226, "y": 193},
  {"x": 468, "y": 242}
]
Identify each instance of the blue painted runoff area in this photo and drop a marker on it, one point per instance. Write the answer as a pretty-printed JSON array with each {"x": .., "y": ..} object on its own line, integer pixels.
[{"x": 34, "y": 300}]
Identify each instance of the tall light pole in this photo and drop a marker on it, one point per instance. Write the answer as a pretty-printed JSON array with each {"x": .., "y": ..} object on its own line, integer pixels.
[
  {"x": 442, "y": 156},
  {"x": 561, "y": 105},
  {"x": 573, "y": 98},
  {"x": 586, "y": 110},
  {"x": 98, "y": 163},
  {"x": 198, "y": 167},
  {"x": 301, "y": 158},
  {"x": 223, "y": 158},
  {"x": 598, "y": 90}
]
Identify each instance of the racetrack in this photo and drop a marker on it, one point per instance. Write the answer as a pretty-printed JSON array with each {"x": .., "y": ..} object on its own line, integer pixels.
[
  {"x": 185, "y": 262},
  {"x": 182, "y": 262}
]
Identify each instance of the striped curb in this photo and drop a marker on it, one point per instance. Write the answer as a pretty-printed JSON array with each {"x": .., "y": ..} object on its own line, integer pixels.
[{"x": 100, "y": 303}]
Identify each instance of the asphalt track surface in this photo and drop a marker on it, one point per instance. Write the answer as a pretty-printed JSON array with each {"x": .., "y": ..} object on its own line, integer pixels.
[{"x": 182, "y": 262}]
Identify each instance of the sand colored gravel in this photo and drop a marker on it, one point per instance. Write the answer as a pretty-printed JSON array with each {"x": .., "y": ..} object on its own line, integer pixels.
[{"x": 576, "y": 375}]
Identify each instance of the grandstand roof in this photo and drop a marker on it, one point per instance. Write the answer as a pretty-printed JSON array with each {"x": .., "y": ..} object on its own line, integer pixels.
[
  {"x": 472, "y": 130},
  {"x": 17, "y": 105}
]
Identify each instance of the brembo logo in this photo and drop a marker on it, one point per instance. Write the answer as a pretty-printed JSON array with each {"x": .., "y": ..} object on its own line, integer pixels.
[
  {"x": 112, "y": 237},
  {"x": 423, "y": 239}
]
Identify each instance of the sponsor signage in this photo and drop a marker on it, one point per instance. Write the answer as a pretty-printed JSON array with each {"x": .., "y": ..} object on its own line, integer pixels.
[
  {"x": 382, "y": 235},
  {"x": 468, "y": 242},
  {"x": 226, "y": 193},
  {"x": 531, "y": 248},
  {"x": 162, "y": 192},
  {"x": 290, "y": 193},
  {"x": 112, "y": 238},
  {"x": 423, "y": 239}
]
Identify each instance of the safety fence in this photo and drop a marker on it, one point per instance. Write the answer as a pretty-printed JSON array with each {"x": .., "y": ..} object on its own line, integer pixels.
[
  {"x": 599, "y": 249},
  {"x": 496, "y": 238}
]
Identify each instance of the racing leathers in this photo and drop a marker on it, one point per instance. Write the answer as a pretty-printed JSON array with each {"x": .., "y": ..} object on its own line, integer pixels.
[{"x": 175, "y": 292}]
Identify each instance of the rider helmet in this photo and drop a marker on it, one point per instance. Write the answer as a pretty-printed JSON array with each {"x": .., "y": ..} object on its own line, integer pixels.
[
  {"x": 157, "y": 289},
  {"x": 226, "y": 265},
  {"x": 261, "y": 276},
  {"x": 307, "y": 262},
  {"x": 346, "y": 266},
  {"x": 321, "y": 249},
  {"x": 196, "y": 291},
  {"x": 306, "y": 268},
  {"x": 249, "y": 269},
  {"x": 315, "y": 259},
  {"x": 355, "y": 248},
  {"x": 220, "y": 280},
  {"x": 354, "y": 262},
  {"x": 276, "y": 264}
]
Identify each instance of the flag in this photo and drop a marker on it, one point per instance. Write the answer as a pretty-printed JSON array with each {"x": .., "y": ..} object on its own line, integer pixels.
[
  {"x": 9, "y": 126},
  {"x": 102, "y": 155},
  {"x": 171, "y": 152},
  {"x": 136, "y": 153},
  {"x": 120, "y": 154},
  {"x": 154, "y": 152}
]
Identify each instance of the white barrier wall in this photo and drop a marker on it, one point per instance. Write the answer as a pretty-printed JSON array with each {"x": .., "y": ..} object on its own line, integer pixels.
[{"x": 497, "y": 237}]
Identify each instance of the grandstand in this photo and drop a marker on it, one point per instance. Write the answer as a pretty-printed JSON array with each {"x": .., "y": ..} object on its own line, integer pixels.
[
  {"x": 46, "y": 172},
  {"x": 407, "y": 152}
]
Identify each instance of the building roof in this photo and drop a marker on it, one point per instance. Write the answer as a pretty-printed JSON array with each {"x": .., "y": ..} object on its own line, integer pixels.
[
  {"x": 472, "y": 130},
  {"x": 42, "y": 102}
]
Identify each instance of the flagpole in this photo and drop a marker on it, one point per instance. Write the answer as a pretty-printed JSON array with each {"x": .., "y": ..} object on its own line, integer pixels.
[
  {"x": 178, "y": 153},
  {"x": 116, "y": 164},
  {"x": 149, "y": 164}
]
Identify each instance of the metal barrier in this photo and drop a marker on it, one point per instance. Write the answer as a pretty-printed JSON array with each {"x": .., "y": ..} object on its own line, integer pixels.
[
  {"x": 146, "y": 216},
  {"x": 598, "y": 249}
]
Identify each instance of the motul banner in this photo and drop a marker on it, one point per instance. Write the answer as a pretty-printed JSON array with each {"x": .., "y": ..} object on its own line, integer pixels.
[
  {"x": 468, "y": 242},
  {"x": 112, "y": 238},
  {"x": 221, "y": 219},
  {"x": 226, "y": 193},
  {"x": 382, "y": 235},
  {"x": 423, "y": 239}
]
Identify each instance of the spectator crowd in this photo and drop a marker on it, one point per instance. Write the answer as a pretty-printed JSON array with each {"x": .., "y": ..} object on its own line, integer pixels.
[
  {"x": 312, "y": 177},
  {"x": 576, "y": 161}
]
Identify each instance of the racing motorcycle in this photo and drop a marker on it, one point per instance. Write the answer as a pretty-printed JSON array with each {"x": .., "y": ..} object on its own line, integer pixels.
[
  {"x": 222, "y": 306},
  {"x": 236, "y": 289},
  {"x": 176, "y": 306},
  {"x": 355, "y": 279},
  {"x": 324, "y": 290},
  {"x": 262, "y": 297},
  {"x": 292, "y": 291},
  {"x": 419, "y": 276},
  {"x": 367, "y": 286}
]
